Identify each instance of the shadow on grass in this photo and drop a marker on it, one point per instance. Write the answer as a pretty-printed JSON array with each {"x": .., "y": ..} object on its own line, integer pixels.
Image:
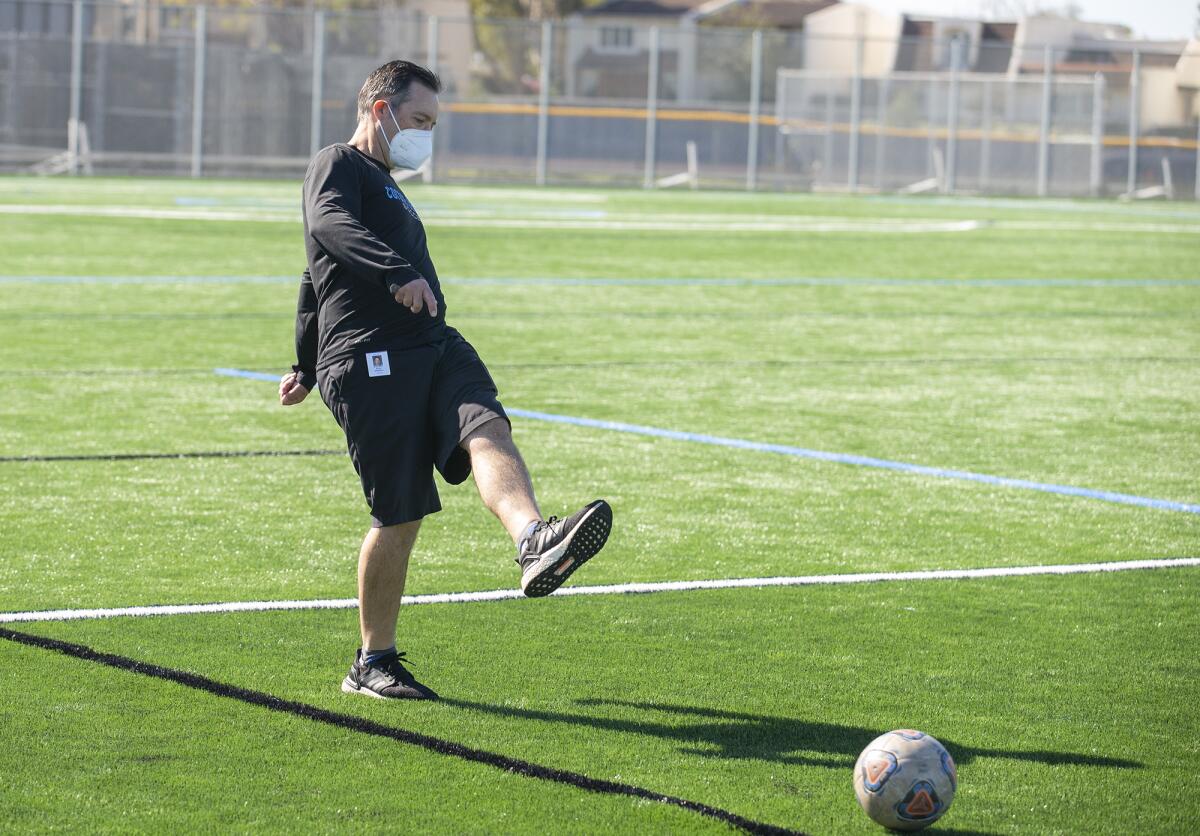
[{"x": 716, "y": 733}]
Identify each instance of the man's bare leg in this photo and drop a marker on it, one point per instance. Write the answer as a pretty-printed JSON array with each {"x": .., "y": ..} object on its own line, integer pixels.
[
  {"x": 547, "y": 551},
  {"x": 382, "y": 568},
  {"x": 501, "y": 477}
]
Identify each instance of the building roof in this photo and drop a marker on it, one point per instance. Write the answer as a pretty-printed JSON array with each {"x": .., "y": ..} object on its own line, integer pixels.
[
  {"x": 775, "y": 14},
  {"x": 778, "y": 14},
  {"x": 639, "y": 8}
]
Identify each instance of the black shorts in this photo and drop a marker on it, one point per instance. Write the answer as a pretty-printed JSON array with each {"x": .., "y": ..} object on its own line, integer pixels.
[{"x": 408, "y": 418}]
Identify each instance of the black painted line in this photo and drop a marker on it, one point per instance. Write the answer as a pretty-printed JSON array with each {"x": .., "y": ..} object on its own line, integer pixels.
[
  {"x": 212, "y": 454},
  {"x": 364, "y": 726}
]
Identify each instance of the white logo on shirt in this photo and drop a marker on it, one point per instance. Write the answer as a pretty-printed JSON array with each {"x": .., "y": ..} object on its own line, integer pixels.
[{"x": 396, "y": 194}]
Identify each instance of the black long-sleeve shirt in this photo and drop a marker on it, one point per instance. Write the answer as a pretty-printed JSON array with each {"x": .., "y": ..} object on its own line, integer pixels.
[{"x": 364, "y": 241}]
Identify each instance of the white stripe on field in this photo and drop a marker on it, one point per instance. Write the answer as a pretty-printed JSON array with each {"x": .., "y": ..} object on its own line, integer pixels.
[
  {"x": 150, "y": 213},
  {"x": 604, "y": 220},
  {"x": 613, "y": 589},
  {"x": 798, "y": 223}
]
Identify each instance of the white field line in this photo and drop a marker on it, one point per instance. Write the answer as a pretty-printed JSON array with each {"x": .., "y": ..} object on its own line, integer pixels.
[
  {"x": 1096, "y": 226},
  {"x": 629, "y": 222},
  {"x": 465, "y": 220},
  {"x": 473, "y": 193},
  {"x": 614, "y": 589},
  {"x": 150, "y": 213},
  {"x": 1024, "y": 204},
  {"x": 732, "y": 224}
]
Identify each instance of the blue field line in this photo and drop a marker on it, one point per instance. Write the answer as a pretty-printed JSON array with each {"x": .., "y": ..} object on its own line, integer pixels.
[
  {"x": 820, "y": 455},
  {"x": 272, "y": 378},
  {"x": 861, "y": 461},
  {"x": 798, "y": 281}
]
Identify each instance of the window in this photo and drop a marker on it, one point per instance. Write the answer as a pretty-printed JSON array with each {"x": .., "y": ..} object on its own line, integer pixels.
[
  {"x": 967, "y": 40},
  {"x": 616, "y": 38}
]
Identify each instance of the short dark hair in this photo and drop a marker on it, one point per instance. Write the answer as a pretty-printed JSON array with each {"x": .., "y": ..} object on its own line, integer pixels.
[{"x": 392, "y": 81}]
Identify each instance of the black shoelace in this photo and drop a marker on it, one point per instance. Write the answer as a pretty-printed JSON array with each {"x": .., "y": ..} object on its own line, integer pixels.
[
  {"x": 541, "y": 526},
  {"x": 393, "y": 666}
]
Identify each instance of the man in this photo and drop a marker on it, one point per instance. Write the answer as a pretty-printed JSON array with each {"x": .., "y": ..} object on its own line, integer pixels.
[{"x": 408, "y": 391}]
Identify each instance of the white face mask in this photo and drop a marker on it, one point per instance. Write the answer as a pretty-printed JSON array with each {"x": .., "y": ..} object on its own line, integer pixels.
[{"x": 408, "y": 148}]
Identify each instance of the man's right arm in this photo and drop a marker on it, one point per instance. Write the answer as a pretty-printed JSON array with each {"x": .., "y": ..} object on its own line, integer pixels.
[
  {"x": 306, "y": 334},
  {"x": 296, "y": 384},
  {"x": 333, "y": 210}
]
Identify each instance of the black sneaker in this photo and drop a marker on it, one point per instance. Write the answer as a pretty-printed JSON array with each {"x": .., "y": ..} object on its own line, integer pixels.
[
  {"x": 386, "y": 679},
  {"x": 556, "y": 548}
]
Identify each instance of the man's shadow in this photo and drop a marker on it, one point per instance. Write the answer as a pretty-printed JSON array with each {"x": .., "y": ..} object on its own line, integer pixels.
[{"x": 731, "y": 734}]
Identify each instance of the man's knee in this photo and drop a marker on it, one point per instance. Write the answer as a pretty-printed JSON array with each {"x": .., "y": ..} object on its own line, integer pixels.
[
  {"x": 399, "y": 533},
  {"x": 398, "y": 528}
]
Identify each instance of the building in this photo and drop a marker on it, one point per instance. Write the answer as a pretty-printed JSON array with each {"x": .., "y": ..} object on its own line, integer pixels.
[
  {"x": 608, "y": 46},
  {"x": 848, "y": 34},
  {"x": 902, "y": 42}
]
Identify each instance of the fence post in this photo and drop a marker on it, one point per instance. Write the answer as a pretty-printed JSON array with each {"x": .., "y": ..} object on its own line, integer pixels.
[
  {"x": 885, "y": 91},
  {"x": 756, "y": 61},
  {"x": 781, "y": 84},
  {"x": 827, "y": 151},
  {"x": 1096, "y": 184},
  {"x": 431, "y": 43},
  {"x": 318, "y": 82},
  {"x": 1043, "y": 159},
  {"x": 543, "y": 121},
  {"x": 985, "y": 139},
  {"x": 1198, "y": 158},
  {"x": 651, "y": 110},
  {"x": 855, "y": 116},
  {"x": 201, "y": 36},
  {"x": 431, "y": 54},
  {"x": 1135, "y": 116},
  {"x": 952, "y": 117},
  {"x": 930, "y": 123},
  {"x": 76, "y": 103}
]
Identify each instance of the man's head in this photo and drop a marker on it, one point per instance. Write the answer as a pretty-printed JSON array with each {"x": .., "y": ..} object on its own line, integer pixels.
[{"x": 399, "y": 96}]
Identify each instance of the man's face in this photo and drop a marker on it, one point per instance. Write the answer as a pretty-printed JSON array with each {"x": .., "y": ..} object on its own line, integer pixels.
[{"x": 419, "y": 111}]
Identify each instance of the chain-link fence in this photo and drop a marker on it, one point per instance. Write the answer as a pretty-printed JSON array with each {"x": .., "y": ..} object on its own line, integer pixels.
[{"x": 152, "y": 89}]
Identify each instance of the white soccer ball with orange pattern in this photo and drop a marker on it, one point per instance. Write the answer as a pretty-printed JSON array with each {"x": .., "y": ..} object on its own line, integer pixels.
[{"x": 905, "y": 780}]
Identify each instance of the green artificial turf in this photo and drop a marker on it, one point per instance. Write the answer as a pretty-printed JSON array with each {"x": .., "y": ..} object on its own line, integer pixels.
[
  {"x": 1062, "y": 700},
  {"x": 1067, "y": 700}
]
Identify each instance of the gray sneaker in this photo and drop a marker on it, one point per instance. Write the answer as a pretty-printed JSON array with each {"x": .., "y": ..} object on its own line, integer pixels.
[
  {"x": 387, "y": 679},
  {"x": 556, "y": 548}
]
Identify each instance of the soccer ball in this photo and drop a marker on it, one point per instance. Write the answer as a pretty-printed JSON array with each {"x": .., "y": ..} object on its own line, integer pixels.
[{"x": 905, "y": 780}]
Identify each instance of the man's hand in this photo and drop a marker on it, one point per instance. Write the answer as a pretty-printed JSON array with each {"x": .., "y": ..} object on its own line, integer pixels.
[
  {"x": 290, "y": 391},
  {"x": 416, "y": 295}
]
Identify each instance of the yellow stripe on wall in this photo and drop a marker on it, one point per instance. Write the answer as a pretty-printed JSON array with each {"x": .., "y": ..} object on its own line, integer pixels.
[{"x": 667, "y": 115}]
